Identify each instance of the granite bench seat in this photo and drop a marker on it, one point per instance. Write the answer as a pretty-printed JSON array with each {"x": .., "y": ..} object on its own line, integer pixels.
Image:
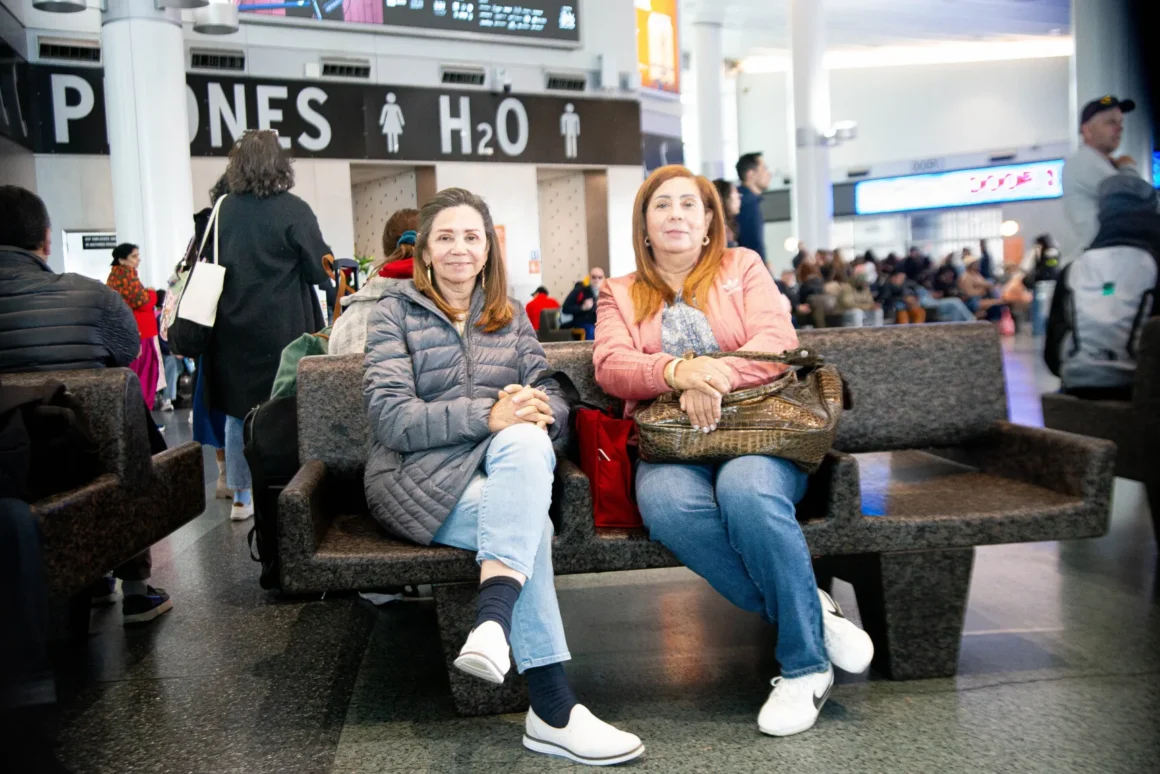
[
  {"x": 926, "y": 467},
  {"x": 1134, "y": 426},
  {"x": 137, "y": 501}
]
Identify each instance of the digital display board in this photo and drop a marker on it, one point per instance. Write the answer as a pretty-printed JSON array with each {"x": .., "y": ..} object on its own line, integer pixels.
[
  {"x": 551, "y": 20},
  {"x": 961, "y": 188}
]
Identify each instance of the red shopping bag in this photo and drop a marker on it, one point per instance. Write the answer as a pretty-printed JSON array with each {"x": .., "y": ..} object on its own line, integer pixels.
[{"x": 605, "y": 460}]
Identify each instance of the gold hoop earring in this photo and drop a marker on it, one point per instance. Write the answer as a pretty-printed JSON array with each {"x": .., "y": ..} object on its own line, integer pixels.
[
  {"x": 705, "y": 242},
  {"x": 483, "y": 282},
  {"x": 431, "y": 275}
]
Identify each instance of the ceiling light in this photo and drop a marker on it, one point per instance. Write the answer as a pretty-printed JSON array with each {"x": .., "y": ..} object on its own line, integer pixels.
[
  {"x": 946, "y": 52},
  {"x": 791, "y": 244},
  {"x": 60, "y": 6},
  {"x": 216, "y": 19},
  {"x": 1009, "y": 228}
]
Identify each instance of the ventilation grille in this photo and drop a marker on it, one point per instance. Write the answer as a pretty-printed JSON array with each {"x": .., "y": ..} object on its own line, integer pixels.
[
  {"x": 217, "y": 60},
  {"x": 558, "y": 82},
  {"x": 462, "y": 76},
  {"x": 70, "y": 50},
  {"x": 346, "y": 68}
]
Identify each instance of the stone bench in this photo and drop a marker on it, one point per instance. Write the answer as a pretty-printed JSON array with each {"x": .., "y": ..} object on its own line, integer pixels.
[
  {"x": 138, "y": 500},
  {"x": 940, "y": 471},
  {"x": 1134, "y": 426}
]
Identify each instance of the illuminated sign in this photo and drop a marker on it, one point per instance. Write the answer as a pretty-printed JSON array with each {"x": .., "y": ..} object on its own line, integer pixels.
[
  {"x": 658, "y": 57},
  {"x": 961, "y": 188},
  {"x": 530, "y": 19}
]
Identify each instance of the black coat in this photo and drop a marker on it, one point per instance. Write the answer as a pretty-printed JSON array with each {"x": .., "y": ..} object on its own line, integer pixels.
[
  {"x": 52, "y": 322},
  {"x": 272, "y": 250},
  {"x": 574, "y": 305}
]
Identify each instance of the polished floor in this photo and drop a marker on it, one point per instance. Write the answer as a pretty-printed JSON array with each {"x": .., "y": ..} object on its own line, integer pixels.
[{"x": 1059, "y": 669}]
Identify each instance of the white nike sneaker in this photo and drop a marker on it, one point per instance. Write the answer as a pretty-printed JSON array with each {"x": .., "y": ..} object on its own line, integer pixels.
[
  {"x": 793, "y": 705},
  {"x": 485, "y": 654},
  {"x": 241, "y": 512},
  {"x": 586, "y": 739},
  {"x": 849, "y": 648}
]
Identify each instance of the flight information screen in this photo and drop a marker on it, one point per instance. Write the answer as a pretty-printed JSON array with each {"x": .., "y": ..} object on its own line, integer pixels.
[{"x": 555, "y": 20}]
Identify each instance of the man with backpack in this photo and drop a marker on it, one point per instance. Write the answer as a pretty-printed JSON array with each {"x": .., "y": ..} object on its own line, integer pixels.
[
  {"x": 1104, "y": 297},
  {"x": 53, "y": 322}
]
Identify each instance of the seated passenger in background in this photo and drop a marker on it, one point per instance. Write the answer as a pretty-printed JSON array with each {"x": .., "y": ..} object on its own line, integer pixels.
[
  {"x": 349, "y": 334},
  {"x": 541, "y": 301},
  {"x": 810, "y": 284},
  {"x": 580, "y": 304},
  {"x": 976, "y": 291},
  {"x": 856, "y": 302},
  {"x": 900, "y": 300},
  {"x": 463, "y": 456},
  {"x": 733, "y": 524},
  {"x": 946, "y": 282}
]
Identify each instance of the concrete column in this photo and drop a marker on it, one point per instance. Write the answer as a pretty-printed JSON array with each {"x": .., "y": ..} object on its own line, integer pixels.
[
  {"x": 813, "y": 203},
  {"x": 1107, "y": 61},
  {"x": 709, "y": 65},
  {"x": 145, "y": 101}
]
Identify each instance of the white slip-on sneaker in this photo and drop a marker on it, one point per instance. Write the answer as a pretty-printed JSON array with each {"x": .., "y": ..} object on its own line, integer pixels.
[
  {"x": 222, "y": 490},
  {"x": 485, "y": 654},
  {"x": 849, "y": 648},
  {"x": 241, "y": 512},
  {"x": 793, "y": 705},
  {"x": 586, "y": 739}
]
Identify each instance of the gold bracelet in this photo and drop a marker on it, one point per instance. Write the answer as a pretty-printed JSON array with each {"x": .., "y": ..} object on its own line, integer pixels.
[{"x": 671, "y": 373}]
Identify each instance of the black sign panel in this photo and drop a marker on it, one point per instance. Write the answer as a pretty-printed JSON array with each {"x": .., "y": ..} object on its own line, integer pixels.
[
  {"x": 68, "y": 110},
  {"x": 349, "y": 121},
  {"x": 660, "y": 151},
  {"x": 99, "y": 242},
  {"x": 14, "y": 117},
  {"x": 523, "y": 19}
]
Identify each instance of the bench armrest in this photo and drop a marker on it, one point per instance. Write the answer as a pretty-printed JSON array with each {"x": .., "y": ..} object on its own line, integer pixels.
[
  {"x": 305, "y": 512},
  {"x": 571, "y": 491},
  {"x": 834, "y": 491},
  {"x": 1074, "y": 465}
]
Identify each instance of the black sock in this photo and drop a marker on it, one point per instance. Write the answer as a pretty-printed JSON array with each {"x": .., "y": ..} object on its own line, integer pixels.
[
  {"x": 551, "y": 694},
  {"x": 497, "y": 597}
]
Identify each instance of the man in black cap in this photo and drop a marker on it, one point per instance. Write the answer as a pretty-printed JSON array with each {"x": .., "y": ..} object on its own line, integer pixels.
[{"x": 1102, "y": 126}]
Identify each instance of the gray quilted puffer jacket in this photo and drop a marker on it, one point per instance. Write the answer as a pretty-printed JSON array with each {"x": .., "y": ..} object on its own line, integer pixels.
[{"x": 428, "y": 394}]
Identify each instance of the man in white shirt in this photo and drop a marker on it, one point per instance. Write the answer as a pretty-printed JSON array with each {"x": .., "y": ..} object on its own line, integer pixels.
[{"x": 1102, "y": 126}]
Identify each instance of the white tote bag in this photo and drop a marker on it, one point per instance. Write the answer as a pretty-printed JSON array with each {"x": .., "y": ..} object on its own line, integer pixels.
[{"x": 190, "y": 331}]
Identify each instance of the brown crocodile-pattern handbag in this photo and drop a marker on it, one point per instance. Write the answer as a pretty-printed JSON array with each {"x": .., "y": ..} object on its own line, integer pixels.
[{"x": 794, "y": 417}]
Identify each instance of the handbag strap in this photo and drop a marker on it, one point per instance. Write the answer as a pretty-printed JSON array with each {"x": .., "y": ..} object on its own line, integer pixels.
[
  {"x": 798, "y": 358},
  {"x": 211, "y": 224}
]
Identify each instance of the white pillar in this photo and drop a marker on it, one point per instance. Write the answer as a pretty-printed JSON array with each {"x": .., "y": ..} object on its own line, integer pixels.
[
  {"x": 145, "y": 101},
  {"x": 1107, "y": 61},
  {"x": 709, "y": 66},
  {"x": 813, "y": 203}
]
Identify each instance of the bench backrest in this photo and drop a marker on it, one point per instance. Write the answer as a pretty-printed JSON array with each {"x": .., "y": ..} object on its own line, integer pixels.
[{"x": 913, "y": 386}]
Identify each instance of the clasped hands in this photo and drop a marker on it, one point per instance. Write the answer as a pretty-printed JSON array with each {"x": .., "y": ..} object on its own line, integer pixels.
[
  {"x": 516, "y": 404},
  {"x": 702, "y": 382}
]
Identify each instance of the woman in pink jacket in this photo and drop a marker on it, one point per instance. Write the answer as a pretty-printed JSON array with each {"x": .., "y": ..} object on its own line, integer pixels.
[{"x": 733, "y": 524}]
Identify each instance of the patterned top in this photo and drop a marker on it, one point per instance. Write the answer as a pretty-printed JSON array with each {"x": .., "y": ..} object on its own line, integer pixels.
[
  {"x": 684, "y": 329},
  {"x": 125, "y": 281}
]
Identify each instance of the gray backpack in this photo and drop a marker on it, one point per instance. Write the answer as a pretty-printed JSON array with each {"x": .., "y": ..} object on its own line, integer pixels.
[{"x": 1110, "y": 293}]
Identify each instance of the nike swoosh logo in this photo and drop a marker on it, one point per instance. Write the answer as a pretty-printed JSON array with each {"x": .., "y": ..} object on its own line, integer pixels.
[
  {"x": 836, "y": 613},
  {"x": 820, "y": 700}
]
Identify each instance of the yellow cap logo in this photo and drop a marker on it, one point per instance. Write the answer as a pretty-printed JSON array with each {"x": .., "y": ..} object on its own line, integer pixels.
[{"x": 1107, "y": 100}]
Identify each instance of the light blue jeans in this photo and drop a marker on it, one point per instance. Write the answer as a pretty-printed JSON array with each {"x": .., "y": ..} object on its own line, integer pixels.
[
  {"x": 503, "y": 515},
  {"x": 735, "y": 526},
  {"x": 237, "y": 470},
  {"x": 172, "y": 368}
]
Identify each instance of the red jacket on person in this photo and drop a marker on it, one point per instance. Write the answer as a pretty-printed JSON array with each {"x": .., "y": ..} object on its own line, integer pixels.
[{"x": 538, "y": 304}]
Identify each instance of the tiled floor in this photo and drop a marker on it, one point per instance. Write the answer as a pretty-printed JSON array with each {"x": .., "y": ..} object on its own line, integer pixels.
[{"x": 1059, "y": 669}]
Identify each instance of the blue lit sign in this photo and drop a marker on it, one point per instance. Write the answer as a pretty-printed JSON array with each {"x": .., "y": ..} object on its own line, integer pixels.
[{"x": 961, "y": 188}]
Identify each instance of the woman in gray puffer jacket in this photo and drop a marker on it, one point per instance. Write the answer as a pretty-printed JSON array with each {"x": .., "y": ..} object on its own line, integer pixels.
[{"x": 464, "y": 417}]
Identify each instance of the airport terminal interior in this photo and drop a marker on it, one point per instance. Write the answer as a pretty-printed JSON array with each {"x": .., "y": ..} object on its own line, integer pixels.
[{"x": 668, "y": 385}]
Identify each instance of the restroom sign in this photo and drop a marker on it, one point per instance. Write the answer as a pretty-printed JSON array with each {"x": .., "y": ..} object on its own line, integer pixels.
[{"x": 354, "y": 121}]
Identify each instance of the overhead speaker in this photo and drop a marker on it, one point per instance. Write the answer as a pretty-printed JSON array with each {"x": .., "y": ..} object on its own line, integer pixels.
[
  {"x": 60, "y": 6},
  {"x": 216, "y": 19}
]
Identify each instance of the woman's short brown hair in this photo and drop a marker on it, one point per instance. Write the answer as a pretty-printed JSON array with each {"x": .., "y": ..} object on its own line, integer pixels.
[
  {"x": 649, "y": 291},
  {"x": 497, "y": 309},
  {"x": 259, "y": 166},
  {"x": 398, "y": 224}
]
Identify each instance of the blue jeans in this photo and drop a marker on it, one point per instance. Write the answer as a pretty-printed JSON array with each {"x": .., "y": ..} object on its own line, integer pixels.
[
  {"x": 735, "y": 526},
  {"x": 171, "y": 372},
  {"x": 237, "y": 471},
  {"x": 503, "y": 515}
]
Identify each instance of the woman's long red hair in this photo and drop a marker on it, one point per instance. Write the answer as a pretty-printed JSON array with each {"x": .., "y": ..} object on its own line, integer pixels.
[{"x": 649, "y": 291}]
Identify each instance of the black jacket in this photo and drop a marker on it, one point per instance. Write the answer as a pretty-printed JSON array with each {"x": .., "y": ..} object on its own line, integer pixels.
[
  {"x": 272, "y": 251},
  {"x": 574, "y": 305},
  {"x": 52, "y": 322}
]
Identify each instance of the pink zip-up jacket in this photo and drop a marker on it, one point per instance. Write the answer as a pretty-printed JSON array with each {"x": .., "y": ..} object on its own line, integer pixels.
[{"x": 746, "y": 312}]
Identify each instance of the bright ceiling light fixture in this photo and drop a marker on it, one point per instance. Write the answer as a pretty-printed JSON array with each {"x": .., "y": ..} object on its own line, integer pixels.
[
  {"x": 1009, "y": 228},
  {"x": 945, "y": 52}
]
